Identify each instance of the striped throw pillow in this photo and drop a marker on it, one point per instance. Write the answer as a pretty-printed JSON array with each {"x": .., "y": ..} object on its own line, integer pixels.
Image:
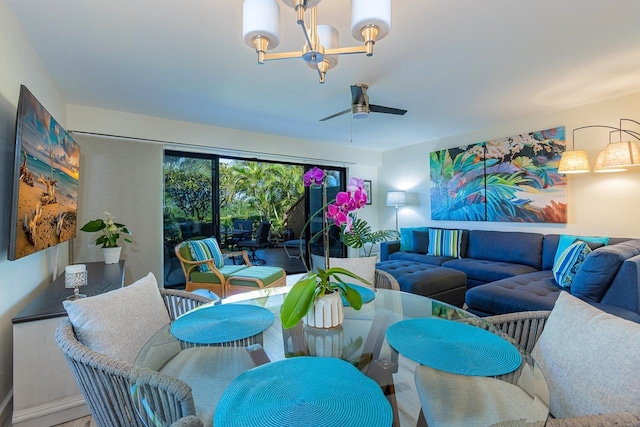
[
  {"x": 444, "y": 242},
  {"x": 204, "y": 249},
  {"x": 569, "y": 261}
]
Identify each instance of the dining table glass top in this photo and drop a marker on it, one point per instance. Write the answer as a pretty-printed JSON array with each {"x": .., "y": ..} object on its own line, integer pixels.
[{"x": 426, "y": 334}]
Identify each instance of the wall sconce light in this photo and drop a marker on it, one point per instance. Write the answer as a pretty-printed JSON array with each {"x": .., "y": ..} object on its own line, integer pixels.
[
  {"x": 598, "y": 168},
  {"x": 396, "y": 198}
]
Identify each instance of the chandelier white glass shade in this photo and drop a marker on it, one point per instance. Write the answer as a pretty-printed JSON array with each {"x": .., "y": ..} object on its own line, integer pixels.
[
  {"x": 599, "y": 168},
  {"x": 370, "y": 21}
]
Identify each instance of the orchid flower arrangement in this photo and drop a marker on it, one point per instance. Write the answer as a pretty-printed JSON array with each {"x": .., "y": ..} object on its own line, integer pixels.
[{"x": 303, "y": 294}]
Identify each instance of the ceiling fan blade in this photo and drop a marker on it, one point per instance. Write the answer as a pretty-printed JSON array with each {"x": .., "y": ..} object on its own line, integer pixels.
[
  {"x": 359, "y": 94},
  {"x": 336, "y": 115},
  {"x": 386, "y": 110}
]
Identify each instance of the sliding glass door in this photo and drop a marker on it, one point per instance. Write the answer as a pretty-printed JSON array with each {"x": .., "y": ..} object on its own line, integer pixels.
[{"x": 335, "y": 180}]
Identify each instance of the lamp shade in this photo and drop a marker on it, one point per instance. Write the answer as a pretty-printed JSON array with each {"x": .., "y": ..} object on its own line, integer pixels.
[
  {"x": 598, "y": 168},
  {"x": 329, "y": 38},
  {"x": 396, "y": 198},
  {"x": 574, "y": 161},
  {"x": 370, "y": 12},
  {"x": 621, "y": 154},
  {"x": 261, "y": 18}
]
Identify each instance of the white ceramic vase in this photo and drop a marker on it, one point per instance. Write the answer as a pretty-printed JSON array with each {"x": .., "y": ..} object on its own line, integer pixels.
[
  {"x": 324, "y": 342},
  {"x": 327, "y": 312},
  {"x": 111, "y": 255}
]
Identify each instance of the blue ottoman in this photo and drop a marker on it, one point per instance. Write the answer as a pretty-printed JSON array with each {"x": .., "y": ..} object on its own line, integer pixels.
[{"x": 441, "y": 283}]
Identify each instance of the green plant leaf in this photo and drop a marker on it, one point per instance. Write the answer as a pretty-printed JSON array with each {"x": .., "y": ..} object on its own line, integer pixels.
[
  {"x": 298, "y": 301},
  {"x": 95, "y": 225}
]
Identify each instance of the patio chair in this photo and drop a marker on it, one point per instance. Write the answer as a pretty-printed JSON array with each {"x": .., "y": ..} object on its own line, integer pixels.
[
  {"x": 221, "y": 278},
  {"x": 261, "y": 241},
  {"x": 105, "y": 382}
]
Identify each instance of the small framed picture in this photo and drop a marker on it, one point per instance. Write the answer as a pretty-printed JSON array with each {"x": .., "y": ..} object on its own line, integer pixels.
[{"x": 367, "y": 187}]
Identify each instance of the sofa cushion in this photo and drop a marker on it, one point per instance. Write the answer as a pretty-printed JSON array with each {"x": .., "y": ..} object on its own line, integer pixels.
[
  {"x": 590, "y": 360},
  {"x": 506, "y": 246},
  {"x": 569, "y": 261},
  {"x": 443, "y": 242},
  {"x": 118, "y": 323},
  {"x": 420, "y": 241},
  {"x": 406, "y": 237},
  {"x": 599, "y": 268},
  {"x": 422, "y": 258},
  {"x": 532, "y": 291},
  {"x": 566, "y": 240},
  {"x": 202, "y": 250},
  {"x": 480, "y": 271}
]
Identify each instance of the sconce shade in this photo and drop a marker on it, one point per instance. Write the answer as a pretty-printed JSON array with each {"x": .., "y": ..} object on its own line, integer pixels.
[
  {"x": 370, "y": 12},
  {"x": 261, "y": 18},
  {"x": 574, "y": 161},
  {"x": 396, "y": 198},
  {"x": 598, "y": 168},
  {"x": 621, "y": 154}
]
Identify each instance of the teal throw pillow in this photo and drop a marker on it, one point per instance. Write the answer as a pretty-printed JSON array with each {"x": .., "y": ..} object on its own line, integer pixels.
[
  {"x": 443, "y": 242},
  {"x": 567, "y": 239},
  {"x": 569, "y": 262},
  {"x": 406, "y": 237},
  {"x": 205, "y": 249}
]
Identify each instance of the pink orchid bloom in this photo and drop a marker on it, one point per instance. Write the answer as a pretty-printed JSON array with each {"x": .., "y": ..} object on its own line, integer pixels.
[
  {"x": 345, "y": 201},
  {"x": 314, "y": 176},
  {"x": 359, "y": 198},
  {"x": 336, "y": 214},
  {"x": 355, "y": 184},
  {"x": 348, "y": 228}
]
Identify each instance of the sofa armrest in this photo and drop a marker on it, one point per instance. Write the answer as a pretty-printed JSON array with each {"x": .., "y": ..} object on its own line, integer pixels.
[{"x": 387, "y": 248}]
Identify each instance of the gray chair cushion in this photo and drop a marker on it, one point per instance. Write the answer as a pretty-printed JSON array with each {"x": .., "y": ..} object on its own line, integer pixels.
[
  {"x": 590, "y": 360},
  {"x": 120, "y": 322}
]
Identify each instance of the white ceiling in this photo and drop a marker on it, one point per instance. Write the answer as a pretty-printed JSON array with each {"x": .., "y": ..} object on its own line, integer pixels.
[{"x": 456, "y": 65}]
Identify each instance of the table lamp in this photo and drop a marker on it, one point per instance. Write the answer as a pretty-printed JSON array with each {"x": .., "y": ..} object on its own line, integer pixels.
[
  {"x": 75, "y": 276},
  {"x": 396, "y": 198}
]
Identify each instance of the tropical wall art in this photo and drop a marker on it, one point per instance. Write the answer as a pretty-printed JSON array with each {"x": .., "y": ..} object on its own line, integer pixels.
[{"x": 512, "y": 179}]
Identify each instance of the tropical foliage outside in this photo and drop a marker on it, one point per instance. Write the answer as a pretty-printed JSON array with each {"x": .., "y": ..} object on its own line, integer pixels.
[
  {"x": 248, "y": 190},
  {"x": 512, "y": 179}
]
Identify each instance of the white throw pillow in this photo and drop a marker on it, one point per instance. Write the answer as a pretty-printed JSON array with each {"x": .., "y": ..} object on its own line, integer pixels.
[
  {"x": 590, "y": 360},
  {"x": 120, "y": 322}
]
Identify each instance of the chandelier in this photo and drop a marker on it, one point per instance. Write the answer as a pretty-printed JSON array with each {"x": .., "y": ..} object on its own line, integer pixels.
[{"x": 370, "y": 21}]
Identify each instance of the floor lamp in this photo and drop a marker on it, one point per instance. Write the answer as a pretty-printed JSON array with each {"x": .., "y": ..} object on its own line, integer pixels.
[{"x": 396, "y": 198}]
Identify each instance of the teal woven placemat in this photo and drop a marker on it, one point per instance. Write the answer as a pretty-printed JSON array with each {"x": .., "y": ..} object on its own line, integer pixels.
[
  {"x": 453, "y": 347},
  {"x": 366, "y": 294},
  {"x": 302, "y": 392},
  {"x": 221, "y": 323}
]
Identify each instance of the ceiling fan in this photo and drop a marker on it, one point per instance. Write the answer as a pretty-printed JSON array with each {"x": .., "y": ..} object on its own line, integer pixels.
[{"x": 360, "y": 107}]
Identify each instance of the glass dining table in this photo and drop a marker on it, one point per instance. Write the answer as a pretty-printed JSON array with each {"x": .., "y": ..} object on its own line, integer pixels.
[{"x": 363, "y": 340}]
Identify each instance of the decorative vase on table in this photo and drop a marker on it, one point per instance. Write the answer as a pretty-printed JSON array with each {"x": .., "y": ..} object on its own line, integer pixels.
[
  {"x": 327, "y": 312},
  {"x": 111, "y": 255}
]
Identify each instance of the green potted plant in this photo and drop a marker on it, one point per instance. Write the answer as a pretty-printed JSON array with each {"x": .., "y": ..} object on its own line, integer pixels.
[
  {"x": 320, "y": 292},
  {"x": 361, "y": 235},
  {"x": 111, "y": 232}
]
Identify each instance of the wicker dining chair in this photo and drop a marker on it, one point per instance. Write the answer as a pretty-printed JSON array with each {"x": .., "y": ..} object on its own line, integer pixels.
[
  {"x": 384, "y": 280},
  {"x": 525, "y": 328},
  {"x": 106, "y": 382}
]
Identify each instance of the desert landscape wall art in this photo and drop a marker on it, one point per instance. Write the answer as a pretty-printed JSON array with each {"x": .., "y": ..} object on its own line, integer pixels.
[
  {"x": 45, "y": 193},
  {"x": 513, "y": 179}
]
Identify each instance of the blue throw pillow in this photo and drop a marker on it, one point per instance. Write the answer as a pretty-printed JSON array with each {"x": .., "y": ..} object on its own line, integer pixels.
[
  {"x": 567, "y": 239},
  {"x": 444, "y": 242},
  {"x": 568, "y": 263},
  {"x": 420, "y": 242},
  {"x": 406, "y": 237},
  {"x": 205, "y": 249}
]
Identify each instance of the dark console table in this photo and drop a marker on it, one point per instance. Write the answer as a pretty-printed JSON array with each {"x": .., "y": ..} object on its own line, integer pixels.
[{"x": 44, "y": 390}]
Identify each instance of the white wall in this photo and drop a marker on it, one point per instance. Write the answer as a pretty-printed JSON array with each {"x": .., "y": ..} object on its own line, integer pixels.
[
  {"x": 598, "y": 204},
  {"x": 20, "y": 280}
]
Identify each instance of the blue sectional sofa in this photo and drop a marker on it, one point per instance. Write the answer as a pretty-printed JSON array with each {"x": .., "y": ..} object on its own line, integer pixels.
[{"x": 501, "y": 272}]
